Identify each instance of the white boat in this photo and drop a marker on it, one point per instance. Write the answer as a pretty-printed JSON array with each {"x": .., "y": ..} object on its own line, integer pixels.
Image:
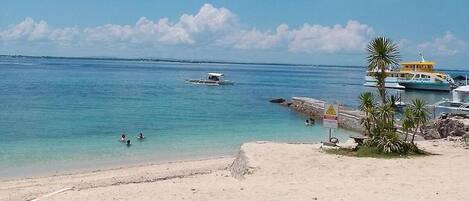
[
  {"x": 212, "y": 79},
  {"x": 414, "y": 75},
  {"x": 459, "y": 102}
]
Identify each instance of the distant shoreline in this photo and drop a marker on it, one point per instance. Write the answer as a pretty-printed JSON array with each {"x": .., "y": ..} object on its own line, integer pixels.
[{"x": 195, "y": 61}]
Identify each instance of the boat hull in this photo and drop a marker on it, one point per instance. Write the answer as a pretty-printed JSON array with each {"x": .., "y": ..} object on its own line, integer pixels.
[
  {"x": 210, "y": 82},
  {"x": 389, "y": 82},
  {"x": 427, "y": 86}
]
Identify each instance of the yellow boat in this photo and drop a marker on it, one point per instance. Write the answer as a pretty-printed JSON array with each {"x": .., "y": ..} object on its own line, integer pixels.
[{"x": 414, "y": 75}]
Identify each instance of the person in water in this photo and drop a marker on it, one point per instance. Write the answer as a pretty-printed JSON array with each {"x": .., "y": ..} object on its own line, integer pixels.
[
  {"x": 140, "y": 136},
  {"x": 128, "y": 143},
  {"x": 123, "y": 137},
  {"x": 311, "y": 120}
]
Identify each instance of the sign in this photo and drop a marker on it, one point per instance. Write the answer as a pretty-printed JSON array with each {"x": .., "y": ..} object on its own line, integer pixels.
[{"x": 331, "y": 115}]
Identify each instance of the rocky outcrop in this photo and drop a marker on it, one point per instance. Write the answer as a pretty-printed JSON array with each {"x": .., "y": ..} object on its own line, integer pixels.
[{"x": 447, "y": 125}]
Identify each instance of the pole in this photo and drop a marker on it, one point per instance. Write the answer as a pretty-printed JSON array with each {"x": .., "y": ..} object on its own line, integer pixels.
[{"x": 330, "y": 134}]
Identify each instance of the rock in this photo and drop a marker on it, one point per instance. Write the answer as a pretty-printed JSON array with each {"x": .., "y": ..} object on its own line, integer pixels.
[
  {"x": 430, "y": 133},
  {"x": 465, "y": 137},
  {"x": 277, "y": 100},
  {"x": 446, "y": 125}
]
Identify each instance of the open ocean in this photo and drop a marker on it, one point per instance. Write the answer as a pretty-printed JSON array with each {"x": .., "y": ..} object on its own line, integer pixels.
[{"x": 59, "y": 114}]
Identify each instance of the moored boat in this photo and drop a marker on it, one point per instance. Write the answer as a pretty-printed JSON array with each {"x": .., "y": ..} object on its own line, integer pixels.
[
  {"x": 212, "y": 79},
  {"x": 459, "y": 102},
  {"x": 414, "y": 75}
]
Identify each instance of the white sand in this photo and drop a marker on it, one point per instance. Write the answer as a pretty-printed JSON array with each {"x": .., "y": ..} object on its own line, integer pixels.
[{"x": 279, "y": 172}]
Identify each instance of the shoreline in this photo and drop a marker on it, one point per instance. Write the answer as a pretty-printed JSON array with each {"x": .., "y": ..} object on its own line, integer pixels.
[
  {"x": 74, "y": 169},
  {"x": 265, "y": 170}
]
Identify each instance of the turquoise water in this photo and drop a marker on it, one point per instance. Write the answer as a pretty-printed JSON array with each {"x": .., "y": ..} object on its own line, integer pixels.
[{"x": 63, "y": 114}]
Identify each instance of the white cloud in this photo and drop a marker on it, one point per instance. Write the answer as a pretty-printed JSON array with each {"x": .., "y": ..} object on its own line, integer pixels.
[
  {"x": 255, "y": 39},
  {"x": 446, "y": 45},
  {"x": 210, "y": 26},
  {"x": 317, "y": 38},
  {"x": 27, "y": 29}
]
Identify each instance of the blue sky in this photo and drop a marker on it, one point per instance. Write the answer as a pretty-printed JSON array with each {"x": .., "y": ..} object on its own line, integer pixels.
[{"x": 318, "y": 32}]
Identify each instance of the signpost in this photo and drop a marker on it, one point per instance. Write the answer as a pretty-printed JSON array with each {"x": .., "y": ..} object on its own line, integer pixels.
[{"x": 331, "y": 117}]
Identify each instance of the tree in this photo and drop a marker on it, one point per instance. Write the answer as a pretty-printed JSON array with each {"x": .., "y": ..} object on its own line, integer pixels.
[
  {"x": 367, "y": 106},
  {"x": 408, "y": 122},
  {"x": 420, "y": 114},
  {"x": 383, "y": 53}
]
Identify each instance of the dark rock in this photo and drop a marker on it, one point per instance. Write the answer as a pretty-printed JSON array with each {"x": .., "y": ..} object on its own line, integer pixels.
[
  {"x": 277, "y": 100},
  {"x": 286, "y": 103},
  {"x": 446, "y": 125}
]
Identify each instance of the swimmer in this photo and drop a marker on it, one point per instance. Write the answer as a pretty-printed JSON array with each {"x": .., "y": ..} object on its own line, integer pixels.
[
  {"x": 140, "y": 136},
  {"x": 128, "y": 143},
  {"x": 122, "y": 138}
]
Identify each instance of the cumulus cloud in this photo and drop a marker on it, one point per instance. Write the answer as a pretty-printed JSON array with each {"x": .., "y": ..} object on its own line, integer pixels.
[
  {"x": 27, "y": 29},
  {"x": 315, "y": 38},
  {"x": 210, "y": 26},
  {"x": 446, "y": 45}
]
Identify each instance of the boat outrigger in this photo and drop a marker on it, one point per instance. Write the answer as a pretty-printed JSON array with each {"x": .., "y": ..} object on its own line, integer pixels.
[
  {"x": 459, "y": 103},
  {"x": 212, "y": 79},
  {"x": 414, "y": 75}
]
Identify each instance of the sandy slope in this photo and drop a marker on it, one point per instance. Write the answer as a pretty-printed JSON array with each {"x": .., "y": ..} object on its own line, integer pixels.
[{"x": 279, "y": 172}]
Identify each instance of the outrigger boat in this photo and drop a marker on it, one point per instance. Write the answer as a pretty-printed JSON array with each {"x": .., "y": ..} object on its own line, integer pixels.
[
  {"x": 414, "y": 75},
  {"x": 460, "y": 102},
  {"x": 212, "y": 79}
]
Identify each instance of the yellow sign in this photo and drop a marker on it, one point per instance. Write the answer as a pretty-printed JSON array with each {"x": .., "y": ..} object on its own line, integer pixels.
[
  {"x": 331, "y": 118},
  {"x": 331, "y": 110}
]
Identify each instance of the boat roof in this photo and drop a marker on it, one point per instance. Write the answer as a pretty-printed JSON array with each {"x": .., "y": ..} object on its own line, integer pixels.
[
  {"x": 216, "y": 74},
  {"x": 464, "y": 89},
  {"x": 418, "y": 63}
]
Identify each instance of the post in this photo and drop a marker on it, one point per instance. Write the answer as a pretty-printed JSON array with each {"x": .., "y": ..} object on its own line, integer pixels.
[{"x": 330, "y": 134}]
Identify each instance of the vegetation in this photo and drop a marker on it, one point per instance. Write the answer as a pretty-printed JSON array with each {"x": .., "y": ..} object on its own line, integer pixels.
[
  {"x": 372, "y": 152},
  {"x": 415, "y": 116},
  {"x": 382, "y": 54},
  {"x": 379, "y": 121}
]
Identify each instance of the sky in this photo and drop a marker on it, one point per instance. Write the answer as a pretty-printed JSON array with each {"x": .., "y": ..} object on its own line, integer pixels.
[{"x": 301, "y": 31}]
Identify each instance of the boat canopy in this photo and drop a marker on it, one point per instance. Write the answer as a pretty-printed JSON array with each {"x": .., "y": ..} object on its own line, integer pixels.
[
  {"x": 463, "y": 89},
  {"x": 460, "y": 94},
  {"x": 216, "y": 74}
]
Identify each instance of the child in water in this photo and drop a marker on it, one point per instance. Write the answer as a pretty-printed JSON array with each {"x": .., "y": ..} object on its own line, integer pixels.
[{"x": 128, "y": 143}]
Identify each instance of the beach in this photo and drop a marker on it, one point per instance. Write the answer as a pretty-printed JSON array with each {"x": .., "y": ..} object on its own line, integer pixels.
[{"x": 266, "y": 171}]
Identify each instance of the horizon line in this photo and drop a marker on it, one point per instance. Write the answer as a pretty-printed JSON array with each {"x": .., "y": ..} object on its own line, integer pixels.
[{"x": 174, "y": 60}]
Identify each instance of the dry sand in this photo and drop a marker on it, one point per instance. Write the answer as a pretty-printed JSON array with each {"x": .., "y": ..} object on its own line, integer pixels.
[{"x": 275, "y": 171}]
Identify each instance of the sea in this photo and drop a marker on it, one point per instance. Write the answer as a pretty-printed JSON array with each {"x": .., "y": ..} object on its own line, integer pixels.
[{"x": 67, "y": 114}]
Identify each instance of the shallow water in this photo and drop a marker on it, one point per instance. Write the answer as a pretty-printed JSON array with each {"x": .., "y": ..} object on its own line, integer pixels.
[{"x": 60, "y": 114}]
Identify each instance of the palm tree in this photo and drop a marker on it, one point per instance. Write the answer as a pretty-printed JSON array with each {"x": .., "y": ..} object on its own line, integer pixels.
[
  {"x": 386, "y": 114},
  {"x": 408, "y": 122},
  {"x": 382, "y": 54},
  {"x": 420, "y": 114},
  {"x": 367, "y": 106}
]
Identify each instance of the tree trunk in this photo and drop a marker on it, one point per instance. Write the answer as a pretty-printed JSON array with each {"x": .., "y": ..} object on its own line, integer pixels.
[
  {"x": 382, "y": 83},
  {"x": 415, "y": 133}
]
